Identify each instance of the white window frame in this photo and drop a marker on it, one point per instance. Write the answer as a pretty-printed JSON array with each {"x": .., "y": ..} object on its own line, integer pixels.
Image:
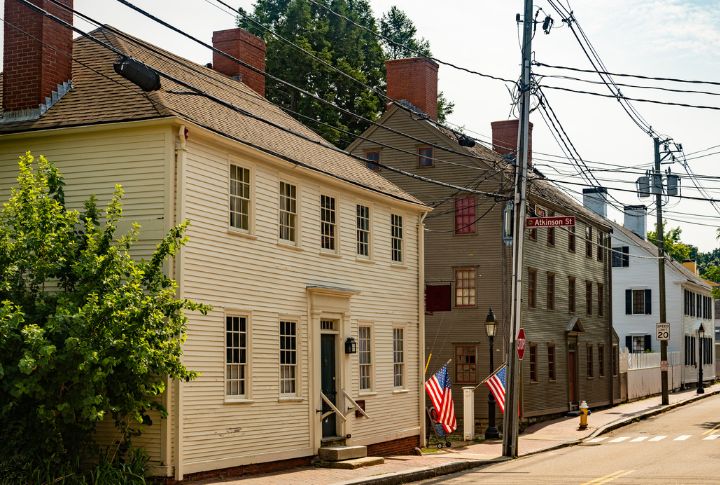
[
  {"x": 250, "y": 231},
  {"x": 371, "y": 365},
  {"x": 472, "y": 288},
  {"x": 370, "y": 211},
  {"x": 335, "y": 224},
  {"x": 281, "y": 240},
  {"x": 295, "y": 366},
  {"x": 247, "y": 396},
  {"x": 393, "y": 238},
  {"x": 401, "y": 364}
]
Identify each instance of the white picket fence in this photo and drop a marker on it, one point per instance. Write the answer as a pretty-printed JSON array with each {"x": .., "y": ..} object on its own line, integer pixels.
[{"x": 643, "y": 373}]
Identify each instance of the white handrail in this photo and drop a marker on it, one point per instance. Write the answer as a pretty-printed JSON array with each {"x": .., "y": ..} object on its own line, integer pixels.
[
  {"x": 332, "y": 406},
  {"x": 357, "y": 406}
]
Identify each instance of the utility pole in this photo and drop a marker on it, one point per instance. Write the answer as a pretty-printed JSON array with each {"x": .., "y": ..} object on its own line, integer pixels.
[
  {"x": 510, "y": 419},
  {"x": 660, "y": 241}
]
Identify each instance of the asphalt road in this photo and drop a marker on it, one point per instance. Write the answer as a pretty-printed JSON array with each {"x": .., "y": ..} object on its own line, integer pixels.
[{"x": 680, "y": 446}]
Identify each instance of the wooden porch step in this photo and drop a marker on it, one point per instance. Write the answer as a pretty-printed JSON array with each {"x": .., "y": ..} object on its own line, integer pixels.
[{"x": 340, "y": 453}]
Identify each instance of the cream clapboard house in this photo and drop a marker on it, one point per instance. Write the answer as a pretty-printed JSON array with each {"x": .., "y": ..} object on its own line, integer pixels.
[{"x": 311, "y": 261}]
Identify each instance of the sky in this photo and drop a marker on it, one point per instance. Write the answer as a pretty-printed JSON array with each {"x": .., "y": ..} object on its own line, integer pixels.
[{"x": 665, "y": 38}]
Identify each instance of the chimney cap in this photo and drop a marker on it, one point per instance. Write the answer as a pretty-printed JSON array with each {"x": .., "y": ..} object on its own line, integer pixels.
[{"x": 595, "y": 190}]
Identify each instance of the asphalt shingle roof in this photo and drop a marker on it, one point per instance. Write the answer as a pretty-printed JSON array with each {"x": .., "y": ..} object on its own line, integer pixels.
[{"x": 99, "y": 95}]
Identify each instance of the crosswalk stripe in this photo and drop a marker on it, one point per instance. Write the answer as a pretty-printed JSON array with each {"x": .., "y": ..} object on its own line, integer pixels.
[
  {"x": 682, "y": 437},
  {"x": 638, "y": 439},
  {"x": 619, "y": 439},
  {"x": 712, "y": 437},
  {"x": 657, "y": 438},
  {"x": 598, "y": 439}
]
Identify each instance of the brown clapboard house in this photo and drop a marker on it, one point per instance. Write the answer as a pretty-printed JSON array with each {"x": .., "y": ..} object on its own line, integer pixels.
[{"x": 572, "y": 351}]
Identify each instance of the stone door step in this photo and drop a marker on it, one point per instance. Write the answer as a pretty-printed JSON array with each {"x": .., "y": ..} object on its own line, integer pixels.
[
  {"x": 339, "y": 453},
  {"x": 354, "y": 463}
]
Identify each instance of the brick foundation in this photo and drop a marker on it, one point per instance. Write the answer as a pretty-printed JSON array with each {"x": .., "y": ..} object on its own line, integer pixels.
[
  {"x": 241, "y": 471},
  {"x": 402, "y": 446}
]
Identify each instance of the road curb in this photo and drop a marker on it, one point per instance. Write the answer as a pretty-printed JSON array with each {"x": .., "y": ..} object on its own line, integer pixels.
[
  {"x": 647, "y": 414},
  {"x": 425, "y": 473}
]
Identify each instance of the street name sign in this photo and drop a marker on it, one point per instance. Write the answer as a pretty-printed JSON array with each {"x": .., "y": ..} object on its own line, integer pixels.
[
  {"x": 520, "y": 343},
  {"x": 662, "y": 331},
  {"x": 557, "y": 221}
]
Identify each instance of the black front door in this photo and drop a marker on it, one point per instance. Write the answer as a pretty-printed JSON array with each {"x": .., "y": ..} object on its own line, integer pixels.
[{"x": 327, "y": 371}]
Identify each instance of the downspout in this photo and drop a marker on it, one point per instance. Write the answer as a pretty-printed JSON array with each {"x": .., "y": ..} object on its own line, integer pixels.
[
  {"x": 421, "y": 325},
  {"x": 608, "y": 297},
  {"x": 180, "y": 153}
]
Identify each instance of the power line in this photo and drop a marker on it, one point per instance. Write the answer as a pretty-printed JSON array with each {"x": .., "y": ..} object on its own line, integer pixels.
[
  {"x": 243, "y": 112},
  {"x": 637, "y": 76}
]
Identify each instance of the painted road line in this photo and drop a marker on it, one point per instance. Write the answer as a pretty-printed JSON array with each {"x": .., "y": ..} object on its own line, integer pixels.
[
  {"x": 598, "y": 439},
  {"x": 638, "y": 439},
  {"x": 682, "y": 437},
  {"x": 608, "y": 478},
  {"x": 657, "y": 438},
  {"x": 712, "y": 437},
  {"x": 711, "y": 430},
  {"x": 619, "y": 439}
]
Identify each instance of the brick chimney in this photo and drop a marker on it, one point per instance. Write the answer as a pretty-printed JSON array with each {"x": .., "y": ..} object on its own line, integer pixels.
[
  {"x": 242, "y": 45},
  {"x": 35, "y": 74},
  {"x": 415, "y": 80},
  {"x": 504, "y": 138}
]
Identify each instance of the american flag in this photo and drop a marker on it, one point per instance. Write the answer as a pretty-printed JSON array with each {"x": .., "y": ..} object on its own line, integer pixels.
[
  {"x": 497, "y": 382},
  {"x": 439, "y": 390}
]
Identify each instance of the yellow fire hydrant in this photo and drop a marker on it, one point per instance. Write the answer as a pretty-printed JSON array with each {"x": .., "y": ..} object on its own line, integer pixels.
[{"x": 583, "y": 415}]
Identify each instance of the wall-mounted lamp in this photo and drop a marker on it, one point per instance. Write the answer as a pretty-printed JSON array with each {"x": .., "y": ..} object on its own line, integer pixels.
[{"x": 350, "y": 346}]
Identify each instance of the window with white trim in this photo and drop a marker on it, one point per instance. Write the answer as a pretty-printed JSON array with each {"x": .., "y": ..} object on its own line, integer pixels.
[
  {"x": 288, "y": 212},
  {"x": 365, "y": 357},
  {"x": 327, "y": 222},
  {"x": 396, "y": 228},
  {"x": 398, "y": 358},
  {"x": 363, "y": 230},
  {"x": 235, "y": 355},
  {"x": 239, "y": 197},
  {"x": 288, "y": 358}
]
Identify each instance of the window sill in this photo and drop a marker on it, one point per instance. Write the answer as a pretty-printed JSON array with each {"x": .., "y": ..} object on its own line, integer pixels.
[
  {"x": 363, "y": 259},
  {"x": 400, "y": 391},
  {"x": 230, "y": 400},
  {"x": 330, "y": 254},
  {"x": 367, "y": 394},
  {"x": 290, "y": 399},
  {"x": 289, "y": 245},
  {"x": 241, "y": 233}
]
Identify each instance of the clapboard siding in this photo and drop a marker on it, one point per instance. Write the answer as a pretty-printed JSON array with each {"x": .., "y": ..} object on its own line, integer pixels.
[
  {"x": 267, "y": 281},
  {"x": 486, "y": 251},
  {"x": 93, "y": 163}
]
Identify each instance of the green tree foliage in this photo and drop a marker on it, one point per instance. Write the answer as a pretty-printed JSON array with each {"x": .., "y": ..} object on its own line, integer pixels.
[
  {"x": 674, "y": 247},
  {"x": 400, "y": 36},
  {"x": 352, "y": 49},
  {"x": 87, "y": 333},
  {"x": 709, "y": 267}
]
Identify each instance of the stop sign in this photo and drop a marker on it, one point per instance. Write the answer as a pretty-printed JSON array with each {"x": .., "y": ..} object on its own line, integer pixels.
[{"x": 520, "y": 343}]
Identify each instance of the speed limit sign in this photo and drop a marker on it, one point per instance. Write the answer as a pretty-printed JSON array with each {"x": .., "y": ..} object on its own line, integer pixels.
[{"x": 662, "y": 331}]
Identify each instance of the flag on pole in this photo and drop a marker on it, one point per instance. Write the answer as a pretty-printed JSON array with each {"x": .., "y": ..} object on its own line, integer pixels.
[
  {"x": 497, "y": 382},
  {"x": 439, "y": 390}
]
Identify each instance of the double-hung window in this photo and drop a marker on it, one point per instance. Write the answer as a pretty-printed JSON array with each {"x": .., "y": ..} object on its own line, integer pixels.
[
  {"x": 465, "y": 287},
  {"x": 398, "y": 358},
  {"x": 638, "y": 302},
  {"x": 363, "y": 230},
  {"x": 621, "y": 256},
  {"x": 532, "y": 287},
  {"x": 550, "y": 291},
  {"x": 288, "y": 212},
  {"x": 425, "y": 157},
  {"x": 465, "y": 215},
  {"x": 533, "y": 363},
  {"x": 601, "y": 299},
  {"x": 588, "y": 241},
  {"x": 590, "y": 363},
  {"x": 365, "y": 357},
  {"x": 551, "y": 362},
  {"x": 328, "y": 226},
  {"x": 396, "y": 237},
  {"x": 373, "y": 159},
  {"x": 239, "y": 197},
  {"x": 601, "y": 360},
  {"x": 571, "y": 239},
  {"x": 571, "y": 294},
  {"x": 236, "y": 333},
  {"x": 288, "y": 358},
  {"x": 465, "y": 364},
  {"x": 588, "y": 297}
]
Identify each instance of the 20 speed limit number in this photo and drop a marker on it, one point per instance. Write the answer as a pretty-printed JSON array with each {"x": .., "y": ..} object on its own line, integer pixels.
[{"x": 662, "y": 331}]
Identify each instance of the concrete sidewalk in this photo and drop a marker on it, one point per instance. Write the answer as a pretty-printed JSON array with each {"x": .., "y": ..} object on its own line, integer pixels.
[{"x": 537, "y": 438}]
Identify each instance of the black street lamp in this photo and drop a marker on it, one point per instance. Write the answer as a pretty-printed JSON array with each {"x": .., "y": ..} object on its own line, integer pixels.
[
  {"x": 701, "y": 336},
  {"x": 491, "y": 327}
]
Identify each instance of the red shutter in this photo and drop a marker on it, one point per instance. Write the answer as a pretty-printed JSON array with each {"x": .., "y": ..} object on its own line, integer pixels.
[{"x": 438, "y": 298}]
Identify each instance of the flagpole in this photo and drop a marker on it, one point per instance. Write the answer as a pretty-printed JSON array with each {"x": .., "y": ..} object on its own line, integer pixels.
[{"x": 491, "y": 374}]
